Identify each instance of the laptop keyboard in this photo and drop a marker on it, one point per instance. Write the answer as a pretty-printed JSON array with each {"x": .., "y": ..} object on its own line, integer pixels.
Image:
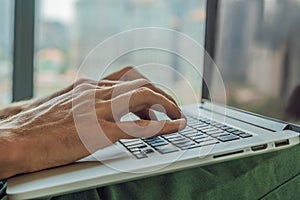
[{"x": 198, "y": 133}]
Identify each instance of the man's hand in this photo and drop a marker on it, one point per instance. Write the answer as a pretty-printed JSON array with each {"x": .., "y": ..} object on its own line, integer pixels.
[{"x": 81, "y": 119}]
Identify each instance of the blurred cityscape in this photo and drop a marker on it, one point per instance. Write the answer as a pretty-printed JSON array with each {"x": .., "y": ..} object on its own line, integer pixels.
[
  {"x": 62, "y": 46},
  {"x": 258, "y": 54},
  {"x": 6, "y": 38}
]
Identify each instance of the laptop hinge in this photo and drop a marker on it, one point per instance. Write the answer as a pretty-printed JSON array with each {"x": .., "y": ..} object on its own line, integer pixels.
[
  {"x": 292, "y": 127},
  {"x": 248, "y": 117}
]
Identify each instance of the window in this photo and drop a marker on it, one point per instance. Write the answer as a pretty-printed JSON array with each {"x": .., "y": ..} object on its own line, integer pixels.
[
  {"x": 66, "y": 31},
  {"x": 258, "y": 54},
  {"x": 6, "y": 43}
]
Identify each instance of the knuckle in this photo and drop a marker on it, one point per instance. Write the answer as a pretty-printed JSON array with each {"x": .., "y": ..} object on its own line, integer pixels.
[
  {"x": 84, "y": 86},
  {"x": 82, "y": 80},
  {"x": 100, "y": 107},
  {"x": 86, "y": 94},
  {"x": 103, "y": 123},
  {"x": 141, "y": 123},
  {"x": 143, "y": 82},
  {"x": 128, "y": 68},
  {"x": 105, "y": 104},
  {"x": 144, "y": 91}
]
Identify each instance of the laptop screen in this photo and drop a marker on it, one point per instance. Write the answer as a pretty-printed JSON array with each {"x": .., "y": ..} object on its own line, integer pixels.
[{"x": 257, "y": 53}]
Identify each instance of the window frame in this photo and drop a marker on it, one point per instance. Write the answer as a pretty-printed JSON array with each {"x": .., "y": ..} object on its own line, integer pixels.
[
  {"x": 210, "y": 44},
  {"x": 23, "y": 56},
  {"x": 23, "y": 50}
]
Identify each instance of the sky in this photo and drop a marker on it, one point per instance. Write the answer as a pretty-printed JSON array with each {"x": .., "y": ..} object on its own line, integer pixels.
[{"x": 62, "y": 10}]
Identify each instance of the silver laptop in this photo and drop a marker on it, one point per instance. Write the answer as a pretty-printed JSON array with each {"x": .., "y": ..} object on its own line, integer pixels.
[
  {"x": 214, "y": 133},
  {"x": 204, "y": 141}
]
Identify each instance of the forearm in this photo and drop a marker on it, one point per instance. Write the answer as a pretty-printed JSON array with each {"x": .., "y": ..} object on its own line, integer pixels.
[
  {"x": 9, "y": 152},
  {"x": 12, "y": 109},
  {"x": 18, "y": 153},
  {"x": 40, "y": 149}
]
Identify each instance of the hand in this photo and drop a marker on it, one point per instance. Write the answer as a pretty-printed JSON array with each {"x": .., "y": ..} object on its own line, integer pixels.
[
  {"x": 125, "y": 74},
  {"x": 65, "y": 127}
]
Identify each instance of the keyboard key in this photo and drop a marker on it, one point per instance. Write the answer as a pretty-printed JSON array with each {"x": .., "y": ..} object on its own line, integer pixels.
[
  {"x": 145, "y": 151},
  {"x": 223, "y": 133},
  {"x": 189, "y": 132},
  {"x": 140, "y": 155},
  {"x": 167, "y": 149},
  {"x": 142, "y": 145},
  {"x": 183, "y": 143},
  {"x": 214, "y": 131},
  {"x": 194, "y": 135},
  {"x": 134, "y": 150},
  {"x": 218, "y": 125},
  {"x": 159, "y": 144},
  {"x": 194, "y": 122},
  {"x": 201, "y": 126},
  {"x": 187, "y": 145},
  {"x": 205, "y": 143},
  {"x": 230, "y": 130},
  {"x": 242, "y": 134},
  {"x": 187, "y": 129},
  {"x": 174, "y": 135},
  {"x": 191, "y": 146},
  {"x": 227, "y": 138},
  {"x": 179, "y": 138},
  {"x": 225, "y": 128},
  {"x": 208, "y": 127},
  {"x": 155, "y": 141},
  {"x": 245, "y": 135},
  {"x": 210, "y": 130},
  {"x": 201, "y": 137},
  {"x": 237, "y": 132},
  {"x": 130, "y": 141},
  {"x": 199, "y": 140},
  {"x": 205, "y": 120},
  {"x": 209, "y": 142},
  {"x": 134, "y": 143}
]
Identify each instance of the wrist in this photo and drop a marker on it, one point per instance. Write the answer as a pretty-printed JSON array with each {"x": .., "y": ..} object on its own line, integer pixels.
[
  {"x": 11, "y": 111},
  {"x": 9, "y": 155}
]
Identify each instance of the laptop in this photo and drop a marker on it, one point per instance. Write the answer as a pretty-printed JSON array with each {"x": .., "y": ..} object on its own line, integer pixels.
[
  {"x": 215, "y": 133},
  {"x": 204, "y": 141}
]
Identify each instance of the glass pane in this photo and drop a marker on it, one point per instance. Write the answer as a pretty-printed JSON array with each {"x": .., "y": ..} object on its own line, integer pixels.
[
  {"x": 6, "y": 43},
  {"x": 258, "y": 55},
  {"x": 68, "y": 30}
]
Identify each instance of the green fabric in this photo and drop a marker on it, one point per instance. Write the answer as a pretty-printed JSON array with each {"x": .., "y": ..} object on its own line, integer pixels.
[
  {"x": 267, "y": 176},
  {"x": 85, "y": 195}
]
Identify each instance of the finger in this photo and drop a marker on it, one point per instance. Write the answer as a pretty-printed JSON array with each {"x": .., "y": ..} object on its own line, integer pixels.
[
  {"x": 125, "y": 74},
  {"x": 140, "y": 99},
  {"x": 146, "y": 114},
  {"x": 108, "y": 83},
  {"x": 146, "y": 128},
  {"x": 158, "y": 90},
  {"x": 124, "y": 87},
  {"x": 129, "y": 74}
]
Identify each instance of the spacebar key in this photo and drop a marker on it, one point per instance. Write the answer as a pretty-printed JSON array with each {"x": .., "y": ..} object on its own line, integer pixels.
[{"x": 166, "y": 149}]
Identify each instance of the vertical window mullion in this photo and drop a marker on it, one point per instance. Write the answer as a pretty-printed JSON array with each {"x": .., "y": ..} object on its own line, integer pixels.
[
  {"x": 23, "y": 50},
  {"x": 210, "y": 44}
]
